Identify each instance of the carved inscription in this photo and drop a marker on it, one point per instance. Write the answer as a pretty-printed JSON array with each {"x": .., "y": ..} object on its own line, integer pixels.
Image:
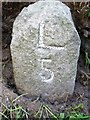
[{"x": 46, "y": 74}]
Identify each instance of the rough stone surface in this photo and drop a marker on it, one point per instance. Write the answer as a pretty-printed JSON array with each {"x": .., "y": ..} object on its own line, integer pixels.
[{"x": 45, "y": 49}]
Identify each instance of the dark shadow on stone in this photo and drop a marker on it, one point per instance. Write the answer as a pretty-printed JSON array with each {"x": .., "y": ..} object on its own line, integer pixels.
[{"x": 7, "y": 69}]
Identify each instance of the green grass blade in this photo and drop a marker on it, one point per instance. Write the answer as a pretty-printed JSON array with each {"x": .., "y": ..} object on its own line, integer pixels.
[
  {"x": 19, "y": 97},
  {"x": 4, "y": 115}
]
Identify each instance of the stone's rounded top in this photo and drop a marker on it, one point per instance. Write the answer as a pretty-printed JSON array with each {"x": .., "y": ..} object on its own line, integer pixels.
[{"x": 49, "y": 0}]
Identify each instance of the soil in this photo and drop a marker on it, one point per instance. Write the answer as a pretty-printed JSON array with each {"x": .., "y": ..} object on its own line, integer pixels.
[{"x": 82, "y": 87}]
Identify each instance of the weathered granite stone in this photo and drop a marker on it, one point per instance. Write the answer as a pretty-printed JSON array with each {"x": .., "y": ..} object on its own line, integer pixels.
[{"x": 45, "y": 49}]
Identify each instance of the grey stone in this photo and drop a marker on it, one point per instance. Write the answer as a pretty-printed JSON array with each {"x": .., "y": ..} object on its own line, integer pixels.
[{"x": 45, "y": 49}]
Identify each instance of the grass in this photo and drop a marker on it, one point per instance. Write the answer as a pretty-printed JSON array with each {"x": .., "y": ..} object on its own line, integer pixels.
[
  {"x": 88, "y": 13},
  {"x": 72, "y": 114},
  {"x": 82, "y": 8},
  {"x": 18, "y": 112},
  {"x": 14, "y": 111},
  {"x": 87, "y": 59}
]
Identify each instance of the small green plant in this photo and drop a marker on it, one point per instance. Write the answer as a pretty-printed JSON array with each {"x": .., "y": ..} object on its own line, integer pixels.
[
  {"x": 87, "y": 59},
  {"x": 17, "y": 112},
  {"x": 88, "y": 13},
  {"x": 73, "y": 113},
  {"x": 14, "y": 111}
]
